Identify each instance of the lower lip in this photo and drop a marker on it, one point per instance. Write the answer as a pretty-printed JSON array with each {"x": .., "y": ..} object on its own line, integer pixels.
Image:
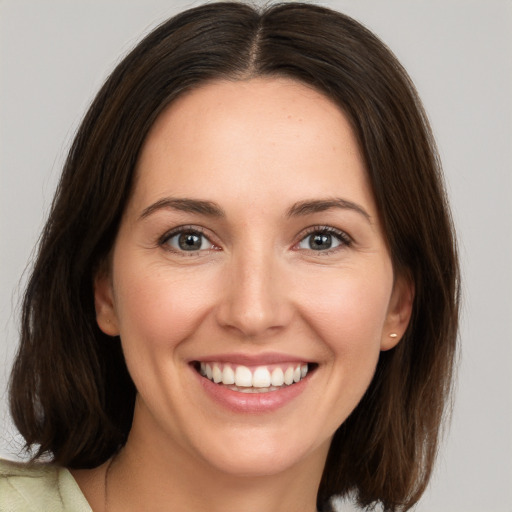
[{"x": 254, "y": 403}]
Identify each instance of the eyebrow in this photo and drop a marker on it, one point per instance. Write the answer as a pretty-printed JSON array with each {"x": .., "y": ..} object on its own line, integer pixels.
[
  {"x": 211, "y": 209},
  {"x": 185, "y": 205},
  {"x": 321, "y": 205}
]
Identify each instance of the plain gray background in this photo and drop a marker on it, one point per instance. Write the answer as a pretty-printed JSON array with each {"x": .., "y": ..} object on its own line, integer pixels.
[{"x": 54, "y": 55}]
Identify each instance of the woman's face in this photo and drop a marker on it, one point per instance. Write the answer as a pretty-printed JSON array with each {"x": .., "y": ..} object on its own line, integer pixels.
[{"x": 250, "y": 251}]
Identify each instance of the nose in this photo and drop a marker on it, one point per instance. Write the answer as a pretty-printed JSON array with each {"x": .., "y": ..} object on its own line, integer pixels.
[{"x": 255, "y": 301}]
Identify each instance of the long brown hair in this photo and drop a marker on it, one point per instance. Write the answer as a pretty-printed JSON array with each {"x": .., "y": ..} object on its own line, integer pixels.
[{"x": 71, "y": 395}]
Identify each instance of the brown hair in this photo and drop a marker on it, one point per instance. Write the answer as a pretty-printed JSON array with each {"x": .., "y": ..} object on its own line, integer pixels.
[{"x": 70, "y": 390}]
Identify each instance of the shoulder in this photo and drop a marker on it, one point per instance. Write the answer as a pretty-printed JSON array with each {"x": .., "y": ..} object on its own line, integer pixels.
[{"x": 38, "y": 488}]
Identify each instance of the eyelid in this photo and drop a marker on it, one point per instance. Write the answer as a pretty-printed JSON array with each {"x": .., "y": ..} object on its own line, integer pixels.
[
  {"x": 345, "y": 239},
  {"x": 189, "y": 228}
]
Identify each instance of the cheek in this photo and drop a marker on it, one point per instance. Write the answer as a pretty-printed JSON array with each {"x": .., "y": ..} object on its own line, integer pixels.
[
  {"x": 350, "y": 310},
  {"x": 159, "y": 309},
  {"x": 348, "y": 318}
]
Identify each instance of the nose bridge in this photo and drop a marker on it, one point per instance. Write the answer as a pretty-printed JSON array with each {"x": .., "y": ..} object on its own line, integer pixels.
[{"x": 255, "y": 300}]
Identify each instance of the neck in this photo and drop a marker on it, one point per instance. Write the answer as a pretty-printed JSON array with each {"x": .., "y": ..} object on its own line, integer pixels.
[{"x": 148, "y": 477}]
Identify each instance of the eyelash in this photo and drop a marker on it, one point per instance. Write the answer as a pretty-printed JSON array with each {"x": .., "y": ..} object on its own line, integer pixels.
[
  {"x": 163, "y": 241},
  {"x": 342, "y": 237}
]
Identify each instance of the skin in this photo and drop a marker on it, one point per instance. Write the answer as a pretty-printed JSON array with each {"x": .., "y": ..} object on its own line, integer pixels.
[{"x": 254, "y": 148}]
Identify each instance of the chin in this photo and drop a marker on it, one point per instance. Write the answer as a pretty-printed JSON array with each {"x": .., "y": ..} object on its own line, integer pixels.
[{"x": 259, "y": 454}]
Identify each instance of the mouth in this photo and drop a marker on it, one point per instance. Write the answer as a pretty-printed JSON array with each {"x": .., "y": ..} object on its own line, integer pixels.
[{"x": 254, "y": 379}]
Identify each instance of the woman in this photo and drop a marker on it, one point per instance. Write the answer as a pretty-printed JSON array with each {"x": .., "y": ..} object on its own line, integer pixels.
[{"x": 246, "y": 294}]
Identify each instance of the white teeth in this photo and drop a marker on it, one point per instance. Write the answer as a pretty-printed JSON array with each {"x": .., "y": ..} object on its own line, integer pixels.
[
  {"x": 277, "y": 377},
  {"x": 216, "y": 374},
  {"x": 288, "y": 376},
  {"x": 259, "y": 380},
  {"x": 243, "y": 377},
  {"x": 228, "y": 375}
]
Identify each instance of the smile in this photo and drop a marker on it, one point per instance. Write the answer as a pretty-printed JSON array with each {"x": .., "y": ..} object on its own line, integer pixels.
[
  {"x": 256, "y": 379},
  {"x": 246, "y": 384}
]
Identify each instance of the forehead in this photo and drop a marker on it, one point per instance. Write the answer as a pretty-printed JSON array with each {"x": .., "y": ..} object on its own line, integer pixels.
[
  {"x": 286, "y": 108},
  {"x": 248, "y": 136}
]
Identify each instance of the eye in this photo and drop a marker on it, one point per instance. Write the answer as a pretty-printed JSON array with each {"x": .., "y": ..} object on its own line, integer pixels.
[
  {"x": 324, "y": 239},
  {"x": 187, "y": 240}
]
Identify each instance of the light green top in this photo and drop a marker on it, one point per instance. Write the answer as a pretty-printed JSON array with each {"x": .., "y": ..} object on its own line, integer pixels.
[{"x": 39, "y": 488}]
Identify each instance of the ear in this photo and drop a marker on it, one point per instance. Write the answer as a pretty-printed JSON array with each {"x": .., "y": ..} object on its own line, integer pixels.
[
  {"x": 104, "y": 302},
  {"x": 399, "y": 312}
]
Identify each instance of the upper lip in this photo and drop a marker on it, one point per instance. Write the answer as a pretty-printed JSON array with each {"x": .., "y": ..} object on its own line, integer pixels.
[{"x": 253, "y": 359}]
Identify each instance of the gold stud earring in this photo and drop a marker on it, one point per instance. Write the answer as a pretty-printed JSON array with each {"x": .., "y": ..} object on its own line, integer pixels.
[{"x": 393, "y": 335}]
